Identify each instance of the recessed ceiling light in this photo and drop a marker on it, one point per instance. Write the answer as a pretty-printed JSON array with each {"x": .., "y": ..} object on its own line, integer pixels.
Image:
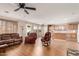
[
  {"x": 6, "y": 12},
  {"x": 73, "y": 13}
]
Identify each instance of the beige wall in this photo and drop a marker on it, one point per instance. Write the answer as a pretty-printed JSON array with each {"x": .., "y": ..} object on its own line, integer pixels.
[{"x": 21, "y": 28}]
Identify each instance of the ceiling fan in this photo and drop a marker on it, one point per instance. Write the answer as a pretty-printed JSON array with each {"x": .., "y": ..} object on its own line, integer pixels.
[{"x": 22, "y": 5}]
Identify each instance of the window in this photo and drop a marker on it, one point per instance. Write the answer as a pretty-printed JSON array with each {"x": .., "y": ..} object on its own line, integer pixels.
[
  {"x": 28, "y": 27},
  {"x": 39, "y": 27},
  {"x": 8, "y": 26},
  {"x": 35, "y": 27}
]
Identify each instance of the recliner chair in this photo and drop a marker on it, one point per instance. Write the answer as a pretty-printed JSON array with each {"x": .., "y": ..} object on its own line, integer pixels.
[
  {"x": 46, "y": 39},
  {"x": 31, "y": 38}
]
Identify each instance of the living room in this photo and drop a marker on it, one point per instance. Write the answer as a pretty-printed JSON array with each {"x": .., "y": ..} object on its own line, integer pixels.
[{"x": 24, "y": 26}]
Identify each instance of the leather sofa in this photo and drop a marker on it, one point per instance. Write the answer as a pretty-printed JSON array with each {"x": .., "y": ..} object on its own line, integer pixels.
[
  {"x": 9, "y": 39},
  {"x": 31, "y": 38}
]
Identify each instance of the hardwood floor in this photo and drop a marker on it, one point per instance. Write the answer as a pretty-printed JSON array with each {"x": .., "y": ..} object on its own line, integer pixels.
[{"x": 56, "y": 48}]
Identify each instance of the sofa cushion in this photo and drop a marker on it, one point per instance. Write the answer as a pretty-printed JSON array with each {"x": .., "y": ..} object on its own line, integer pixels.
[
  {"x": 2, "y": 42},
  {"x": 17, "y": 39},
  {"x": 0, "y": 37},
  {"x": 5, "y": 37},
  {"x": 14, "y": 35},
  {"x": 9, "y": 41},
  {"x": 4, "y": 45}
]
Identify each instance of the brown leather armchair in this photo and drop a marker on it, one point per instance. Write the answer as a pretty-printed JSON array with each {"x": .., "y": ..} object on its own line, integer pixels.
[
  {"x": 47, "y": 36},
  {"x": 31, "y": 38}
]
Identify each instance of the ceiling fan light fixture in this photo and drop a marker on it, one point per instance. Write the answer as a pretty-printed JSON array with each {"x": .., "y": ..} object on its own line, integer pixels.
[
  {"x": 23, "y": 6},
  {"x": 6, "y": 11}
]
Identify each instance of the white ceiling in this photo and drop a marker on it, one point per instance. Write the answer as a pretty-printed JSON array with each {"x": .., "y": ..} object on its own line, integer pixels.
[{"x": 46, "y": 13}]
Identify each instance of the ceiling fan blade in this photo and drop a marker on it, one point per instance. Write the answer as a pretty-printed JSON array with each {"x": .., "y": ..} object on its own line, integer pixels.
[
  {"x": 26, "y": 11},
  {"x": 20, "y": 3},
  {"x": 31, "y": 8},
  {"x": 17, "y": 9}
]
